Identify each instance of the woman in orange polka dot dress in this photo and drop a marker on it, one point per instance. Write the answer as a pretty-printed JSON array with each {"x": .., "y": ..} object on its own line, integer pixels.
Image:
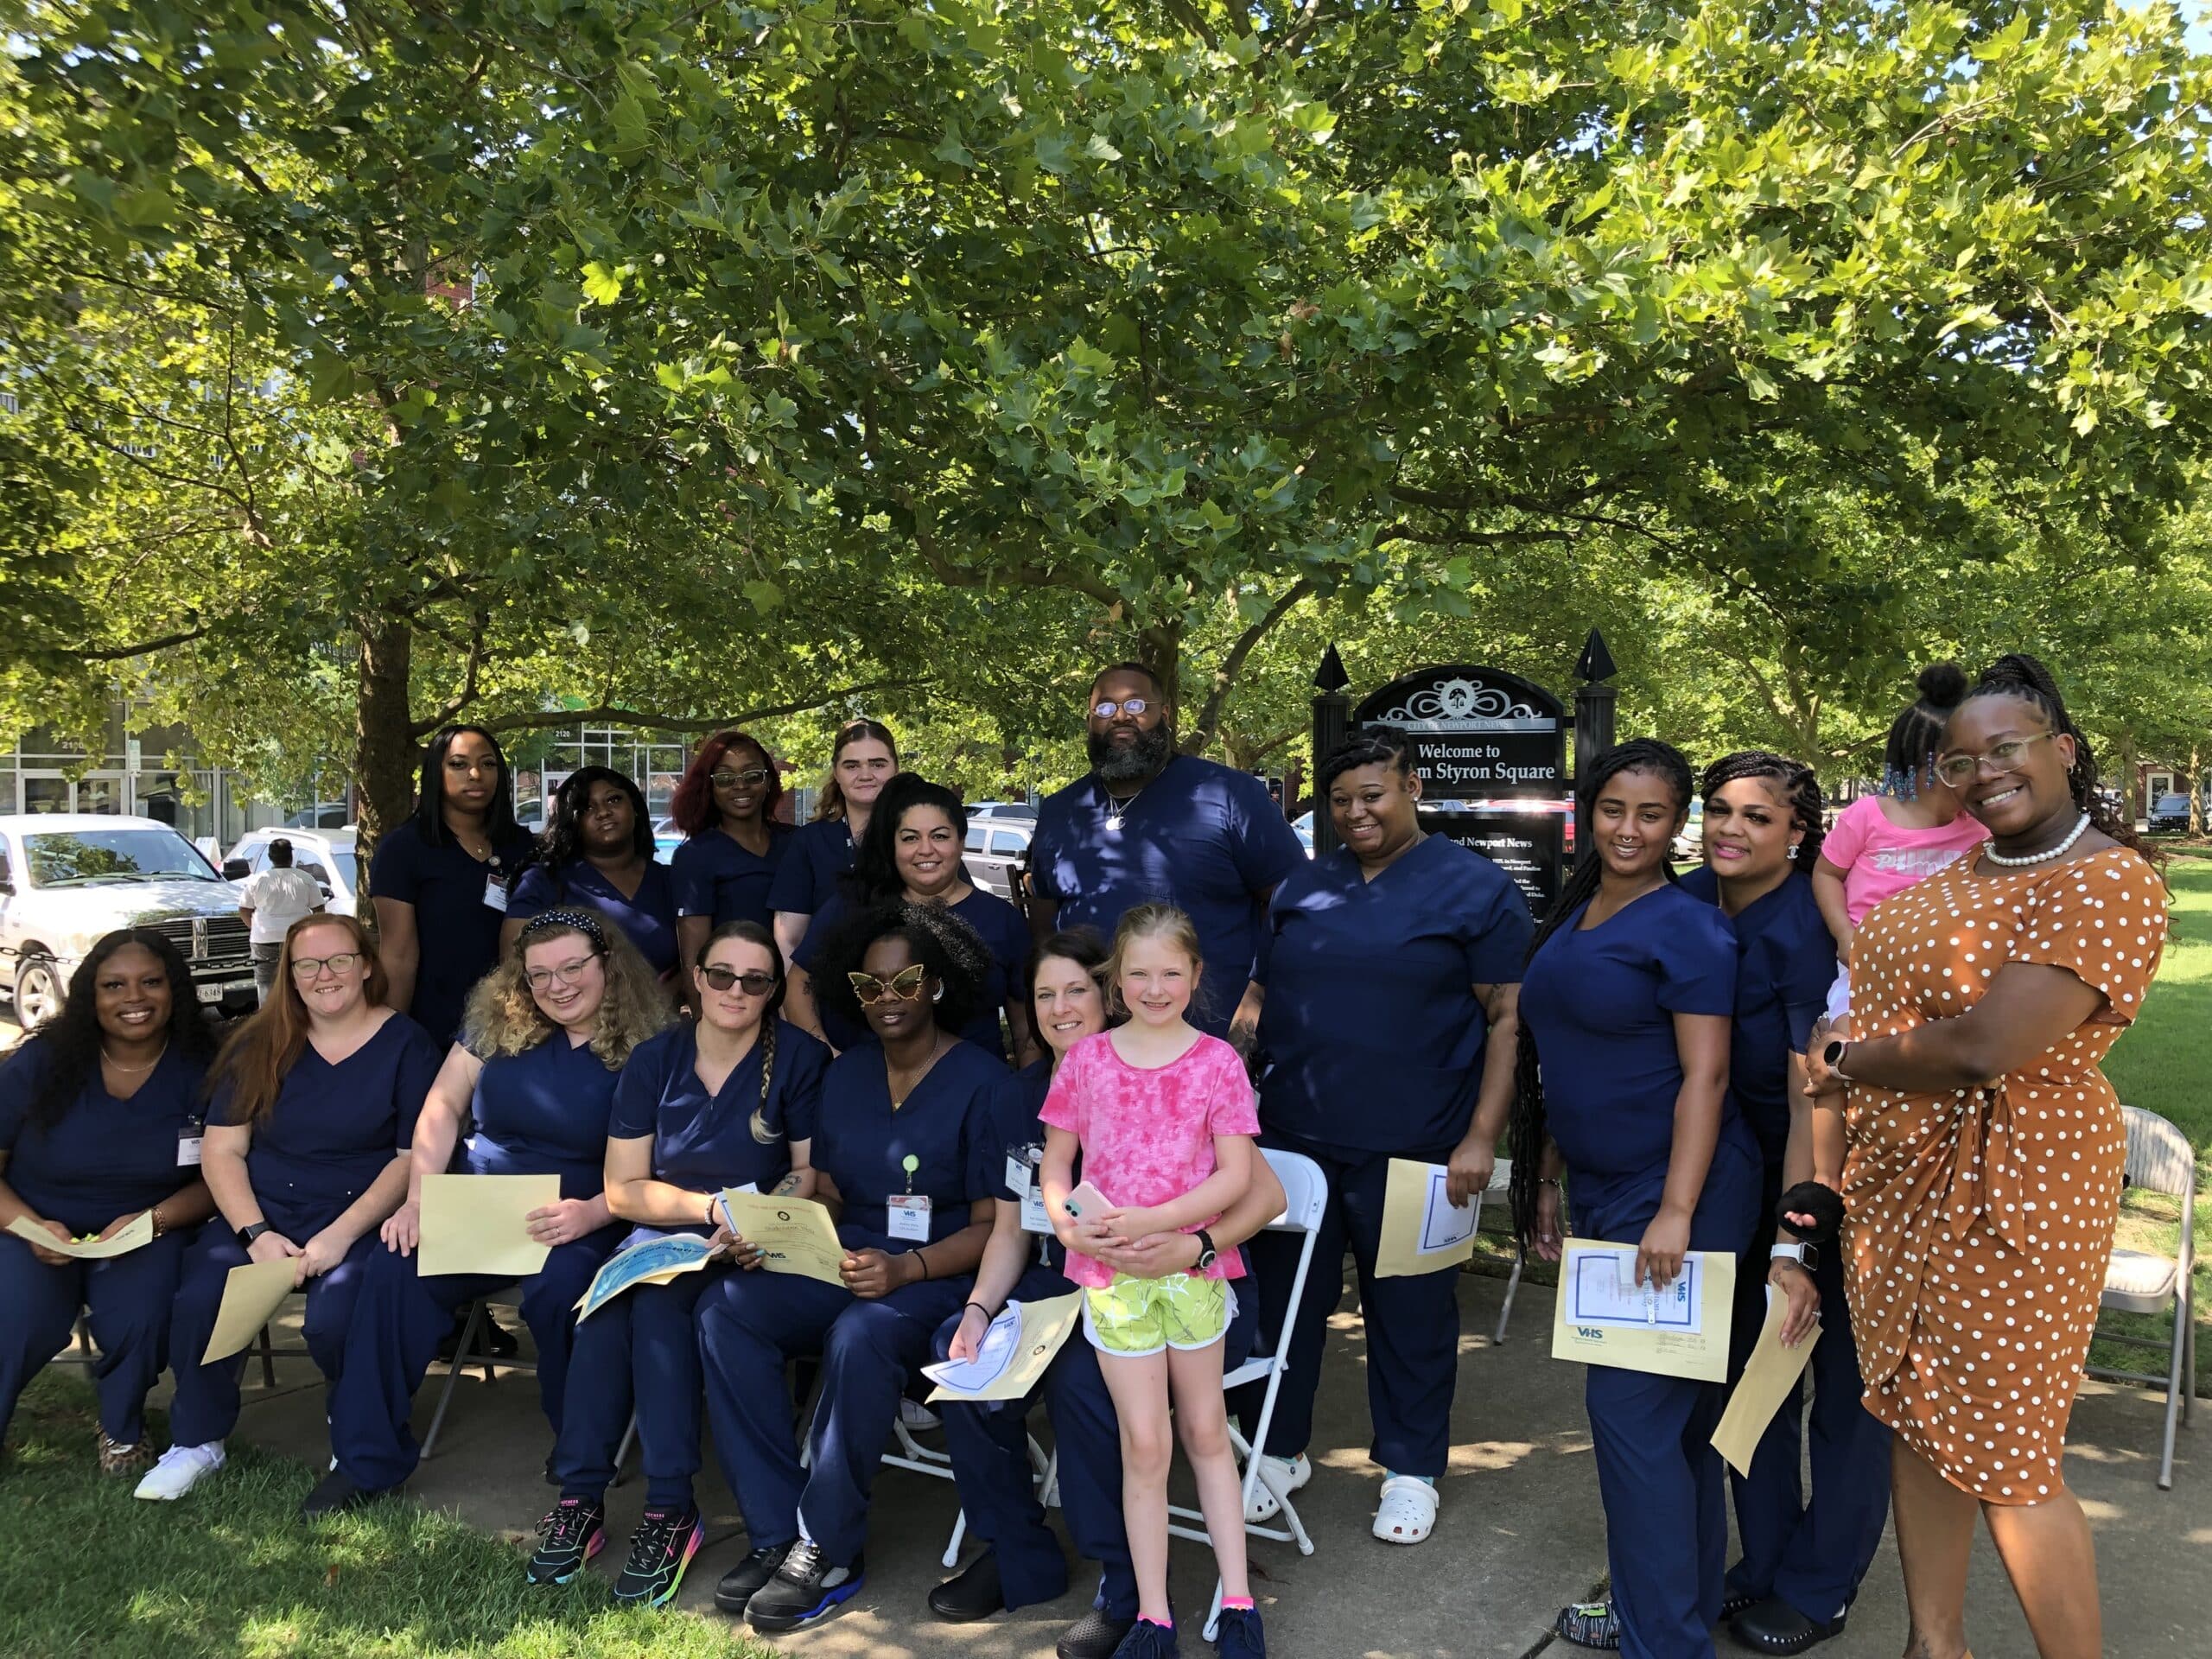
[{"x": 1983, "y": 1174}]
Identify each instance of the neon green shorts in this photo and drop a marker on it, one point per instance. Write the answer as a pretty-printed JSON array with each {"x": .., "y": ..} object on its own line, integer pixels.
[{"x": 1136, "y": 1317}]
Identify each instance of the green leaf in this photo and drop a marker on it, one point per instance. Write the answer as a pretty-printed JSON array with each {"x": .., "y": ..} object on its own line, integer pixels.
[{"x": 601, "y": 285}]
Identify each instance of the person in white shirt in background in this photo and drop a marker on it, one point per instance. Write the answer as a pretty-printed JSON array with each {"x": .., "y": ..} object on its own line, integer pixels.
[{"x": 270, "y": 902}]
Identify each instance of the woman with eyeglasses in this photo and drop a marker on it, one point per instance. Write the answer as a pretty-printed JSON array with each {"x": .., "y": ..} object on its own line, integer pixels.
[
  {"x": 547, "y": 1032},
  {"x": 912, "y": 854},
  {"x": 597, "y": 853},
  {"x": 727, "y": 1099},
  {"x": 733, "y": 845},
  {"x": 894, "y": 1155},
  {"x": 309, "y": 1129},
  {"x": 442, "y": 880},
  {"x": 863, "y": 759},
  {"x": 1986, "y": 1154}
]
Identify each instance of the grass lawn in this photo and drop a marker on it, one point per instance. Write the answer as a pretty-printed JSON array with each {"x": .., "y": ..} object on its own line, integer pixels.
[{"x": 240, "y": 1577}]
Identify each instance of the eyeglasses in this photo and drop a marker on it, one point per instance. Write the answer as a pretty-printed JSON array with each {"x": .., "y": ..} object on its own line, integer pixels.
[
  {"x": 1959, "y": 770},
  {"x": 902, "y": 986},
  {"x": 306, "y": 968},
  {"x": 1130, "y": 706},
  {"x": 569, "y": 973},
  {"x": 754, "y": 983},
  {"x": 751, "y": 777}
]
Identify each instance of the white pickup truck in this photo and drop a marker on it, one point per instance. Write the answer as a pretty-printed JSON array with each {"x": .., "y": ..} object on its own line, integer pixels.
[{"x": 65, "y": 879}]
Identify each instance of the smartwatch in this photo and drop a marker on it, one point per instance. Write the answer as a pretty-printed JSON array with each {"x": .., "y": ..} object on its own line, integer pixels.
[
  {"x": 1832, "y": 1056},
  {"x": 1207, "y": 1254},
  {"x": 247, "y": 1235},
  {"x": 1807, "y": 1256}
]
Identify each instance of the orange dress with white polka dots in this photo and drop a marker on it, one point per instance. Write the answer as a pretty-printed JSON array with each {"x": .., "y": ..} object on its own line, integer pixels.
[{"x": 1979, "y": 1221}]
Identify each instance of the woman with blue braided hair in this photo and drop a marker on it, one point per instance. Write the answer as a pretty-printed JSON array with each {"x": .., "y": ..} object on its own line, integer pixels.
[{"x": 545, "y": 1034}]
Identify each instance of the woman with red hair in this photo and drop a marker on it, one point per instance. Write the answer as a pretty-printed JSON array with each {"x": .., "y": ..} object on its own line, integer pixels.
[{"x": 726, "y": 807}]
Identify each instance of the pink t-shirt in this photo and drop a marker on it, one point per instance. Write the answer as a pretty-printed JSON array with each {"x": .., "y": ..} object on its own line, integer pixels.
[
  {"x": 1148, "y": 1134},
  {"x": 1880, "y": 859}
]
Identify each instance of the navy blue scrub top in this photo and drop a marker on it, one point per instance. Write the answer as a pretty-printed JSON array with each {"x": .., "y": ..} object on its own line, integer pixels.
[
  {"x": 718, "y": 879},
  {"x": 819, "y": 853},
  {"x": 705, "y": 1143},
  {"x": 1785, "y": 965},
  {"x": 1203, "y": 837},
  {"x": 1013, "y": 1129},
  {"x": 649, "y": 918},
  {"x": 1373, "y": 1036},
  {"x": 545, "y": 1112},
  {"x": 1004, "y": 934},
  {"x": 107, "y": 1157},
  {"x": 456, "y": 932},
  {"x": 1601, "y": 1005},
  {"x": 334, "y": 1127},
  {"x": 861, "y": 1144}
]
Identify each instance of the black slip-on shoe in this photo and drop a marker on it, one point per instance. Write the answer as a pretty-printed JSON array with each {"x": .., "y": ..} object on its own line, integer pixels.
[{"x": 974, "y": 1594}]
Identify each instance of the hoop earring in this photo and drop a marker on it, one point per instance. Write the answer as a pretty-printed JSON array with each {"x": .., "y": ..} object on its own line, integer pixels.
[{"x": 938, "y": 995}]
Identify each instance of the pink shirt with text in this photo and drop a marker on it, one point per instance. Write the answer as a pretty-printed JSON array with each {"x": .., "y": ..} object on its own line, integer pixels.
[
  {"x": 1880, "y": 859},
  {"x": 1148, "y": 1133}
]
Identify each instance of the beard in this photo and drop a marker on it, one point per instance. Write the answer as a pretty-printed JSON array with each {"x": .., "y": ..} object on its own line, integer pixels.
[{"x": 1134, "y": 765}]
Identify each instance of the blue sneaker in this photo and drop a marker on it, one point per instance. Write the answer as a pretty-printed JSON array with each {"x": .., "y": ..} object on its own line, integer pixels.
[
  {"x": 1147, "y": 1640},
  {"x": 1238, "y": 1635},
  {"x": 804, "y": 1588}
]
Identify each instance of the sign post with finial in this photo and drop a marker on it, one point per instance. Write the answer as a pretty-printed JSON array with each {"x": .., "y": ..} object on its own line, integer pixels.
[
  {"x": 1331, "y": 725},
  {"x": 1594, "y": 718}
]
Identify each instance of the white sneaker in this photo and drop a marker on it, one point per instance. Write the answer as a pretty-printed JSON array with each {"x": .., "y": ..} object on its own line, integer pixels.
[
  {"x": 181, "y": 1468},
  {"x": 1279, "y": 1478},
  {"x": 915, "y": 1414}
]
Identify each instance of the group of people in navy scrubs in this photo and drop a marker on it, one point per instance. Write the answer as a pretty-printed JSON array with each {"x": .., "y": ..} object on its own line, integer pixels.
[{"x": 833, "y": 1011}]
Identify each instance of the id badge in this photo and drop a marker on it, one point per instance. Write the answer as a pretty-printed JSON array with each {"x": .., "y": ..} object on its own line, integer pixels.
[
  {"x": 495, "y": 894},
  {"x": 1034, "y": 1219},
  {"x": 910, "y": 1217},
  {"x": 187, "y": 1150}
]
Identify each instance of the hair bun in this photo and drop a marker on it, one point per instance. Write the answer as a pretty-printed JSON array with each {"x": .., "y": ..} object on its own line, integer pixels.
[{"x": 1942, "y": 685}]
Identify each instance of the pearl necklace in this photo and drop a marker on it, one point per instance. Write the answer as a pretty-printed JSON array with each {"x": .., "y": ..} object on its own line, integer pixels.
[{"x": 1990, "y": 853}]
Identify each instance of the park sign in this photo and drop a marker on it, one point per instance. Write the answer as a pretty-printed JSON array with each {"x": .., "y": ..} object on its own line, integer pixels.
[{"x": 1491, "y": 749}]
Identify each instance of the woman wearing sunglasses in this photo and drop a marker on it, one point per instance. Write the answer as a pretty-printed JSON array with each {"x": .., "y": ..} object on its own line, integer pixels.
[
  {"x": 726, "y": 1101},
  {"x": 545, "y": 1033},
  {"x": 312, "y": 1114},
  {"x": 894, "y": 1155},
  {"x": 734, "y": 846}
]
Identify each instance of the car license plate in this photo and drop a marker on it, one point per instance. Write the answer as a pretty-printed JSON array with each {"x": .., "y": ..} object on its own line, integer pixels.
[{"x": 211, "y": 993}]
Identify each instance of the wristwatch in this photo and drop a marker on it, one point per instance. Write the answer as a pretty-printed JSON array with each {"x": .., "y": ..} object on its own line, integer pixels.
[
  {"x": 1833, "y": 1055},
  {"x": 1207, "y": 1254},
  {"x": 1807, "y": 1256},
  {"x": 248, "y": 1234}
]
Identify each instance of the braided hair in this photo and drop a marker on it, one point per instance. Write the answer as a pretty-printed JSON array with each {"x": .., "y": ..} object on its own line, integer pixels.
[
  {"x": 1644, "y": 754},
  {"x": 1371, "y": 746},
  {"x": 1918, "y": 731},
  {"x": 2017, "y": 675},
  {"x": 1795, "y": 782}
]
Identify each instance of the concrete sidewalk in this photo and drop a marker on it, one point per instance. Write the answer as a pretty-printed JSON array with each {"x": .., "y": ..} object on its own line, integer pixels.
[{"x": 1521, "y": 1531}]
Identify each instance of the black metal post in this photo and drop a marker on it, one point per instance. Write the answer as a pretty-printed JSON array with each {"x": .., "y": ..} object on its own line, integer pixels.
[
  {"x": 1593, "y": 721},
  {"x": 1331, "y": 725}
]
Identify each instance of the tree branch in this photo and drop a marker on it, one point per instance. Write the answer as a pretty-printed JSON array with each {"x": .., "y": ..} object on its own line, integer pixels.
[
  {"x": 1225, "y": 677},
  {"x": 646, "y": 720},
  {"x": 467, "y": 695},
  {"x": 122, "y": 653}
]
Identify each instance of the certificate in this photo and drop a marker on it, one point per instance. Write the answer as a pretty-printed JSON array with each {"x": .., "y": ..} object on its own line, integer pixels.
[
  {"x": 1423, "y": 1231},
  {"x": 1015, "y": 1351},
  {"x": 251, "y": 1295},
  {"x": 1765, "y": 1383},
  {"x": 649, "y": 1262},
  {"x": 793, "y": 1235},
  {"x": 140, "y": 1231},
  {"x": 1602, "y": 1317},
  {"x": 476, "y": 1224}
]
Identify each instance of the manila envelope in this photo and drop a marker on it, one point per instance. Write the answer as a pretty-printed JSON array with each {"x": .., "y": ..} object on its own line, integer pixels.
[
  {"x": 793, "y": 1235},
  {"x": 1600, "y": 1318},
  {"x": 251, "y": 1295},
  {"x": 474, "y": 1223},
  {"x": 140, "y": 1231},
  {"x": 1764, "y": 1385},
  {"x": 1421, "y": 1231},
  {"x": 1013, "y": 1353}
]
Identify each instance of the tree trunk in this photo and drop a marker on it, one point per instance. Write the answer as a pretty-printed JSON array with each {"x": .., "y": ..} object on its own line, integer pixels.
[
  {"x": 2130, "y": 787},
  {"x": 385, "y": 759},
  {"x": 1160, "y": 648}
]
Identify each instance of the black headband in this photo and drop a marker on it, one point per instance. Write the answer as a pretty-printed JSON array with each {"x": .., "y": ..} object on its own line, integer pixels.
[{"x": 582, "y": 921}]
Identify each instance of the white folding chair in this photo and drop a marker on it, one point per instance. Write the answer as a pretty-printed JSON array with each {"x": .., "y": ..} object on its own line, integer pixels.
[
  {"x": 1500, "y": 1187},
  {"x": 2159, "y": 1159},
  {"x": 910, "y": 1454}
]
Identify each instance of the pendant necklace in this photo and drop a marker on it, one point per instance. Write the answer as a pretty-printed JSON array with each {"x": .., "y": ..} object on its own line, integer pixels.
[{"x": 1119, "y": 809}]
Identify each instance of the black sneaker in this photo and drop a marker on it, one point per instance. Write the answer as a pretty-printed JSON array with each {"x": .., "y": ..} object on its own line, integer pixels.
[
  {"x": 660, "y": 1549},
  {"x": 334, "y": 1494},
  {"x": 1095, "y": 1636},
  {"x": 570, "y": 1535},
  {"x": 805, "y": 1588},
  {"x": 974, "y": 1594},
  {"x": 744, "y": 1581}
]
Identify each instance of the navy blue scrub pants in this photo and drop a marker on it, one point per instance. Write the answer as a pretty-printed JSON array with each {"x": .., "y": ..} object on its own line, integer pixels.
[
  {"x": 1411, "y": 1324},
  {"x": 206, "y": 1406},
  {"x": 639, "y": 1352},
  {"x": 1814, "y": 1555},
  {"x": 989, "y": 1444},
  {"x": 128, "y": 1298},
  {"x": 1658, "y": 1476},
  {"x": 752, "y": 1325},
  {"x": 399, "y": 1320}
]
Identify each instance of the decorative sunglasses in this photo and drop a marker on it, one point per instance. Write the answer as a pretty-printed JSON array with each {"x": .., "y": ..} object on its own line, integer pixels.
[
  {"x": 1130, "y": 706},
  {"x": 754, "y": 983},
  {"x": 904, "y": 986},
  {"x": 751, "y": 777}
]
